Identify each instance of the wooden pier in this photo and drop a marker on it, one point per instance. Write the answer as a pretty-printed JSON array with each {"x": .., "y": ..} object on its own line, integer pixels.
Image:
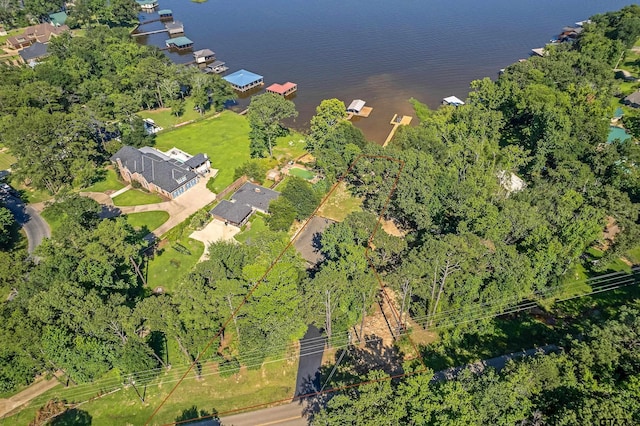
[
  {"x": 164, "y": 30},
  {"x": 396, "y": 122}
]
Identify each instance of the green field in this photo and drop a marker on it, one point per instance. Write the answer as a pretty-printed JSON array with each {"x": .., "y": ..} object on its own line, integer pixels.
[
  {"x": 301, "y": 173},
  {"x": 134, "y": 197},
  {"x": 172, "y": 263},
  {"x": 151, "y": 220},
  {"x": 165, "y": 119},
  {"x": 108, "y": 182}
]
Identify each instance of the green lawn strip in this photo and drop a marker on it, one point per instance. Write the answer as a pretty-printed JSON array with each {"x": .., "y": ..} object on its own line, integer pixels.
[
  {"x": 6, "y": 160},
  {"x": 258, "y": 225},
  {"x": 135, "y": 197},
  {"x": 172, "y": 263},
  {"x": 110, "y": 182},
  {"x": 275, "y": 381},
  {"x": 150, "y": 220}
]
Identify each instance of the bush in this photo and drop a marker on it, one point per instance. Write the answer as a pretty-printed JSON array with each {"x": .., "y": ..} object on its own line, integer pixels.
[
  {"x": 255, "y": 170},
  {"x": 200, "y": 220}
]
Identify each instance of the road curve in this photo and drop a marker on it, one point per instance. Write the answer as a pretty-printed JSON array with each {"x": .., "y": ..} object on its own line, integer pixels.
[{"x": 33, "y": 224}]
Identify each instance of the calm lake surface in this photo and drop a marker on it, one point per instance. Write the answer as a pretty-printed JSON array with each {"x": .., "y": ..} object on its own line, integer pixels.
[{"x": 381, "y": 51}]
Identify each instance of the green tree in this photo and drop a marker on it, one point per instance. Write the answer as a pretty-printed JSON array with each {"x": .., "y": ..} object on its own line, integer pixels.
[
  {"x": 265, "y": 115},
  {"x": 282, "y": 213},
  {"x": 6, "y": 223},
  {"x": 302, "y": 196},
  {"x": 328, "y": 114}
]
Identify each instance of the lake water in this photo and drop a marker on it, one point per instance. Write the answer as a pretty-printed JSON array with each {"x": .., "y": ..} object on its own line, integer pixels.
[{"x": 381, "y": 51}]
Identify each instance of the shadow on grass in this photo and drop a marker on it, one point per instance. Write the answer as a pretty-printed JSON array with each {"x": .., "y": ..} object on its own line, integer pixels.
[{"x": 202, "y": 417}]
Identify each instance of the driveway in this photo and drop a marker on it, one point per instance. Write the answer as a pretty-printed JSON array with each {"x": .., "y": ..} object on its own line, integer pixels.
[
  {"x": 33, "y": 224},
  {"x": 215, "y": 231}
]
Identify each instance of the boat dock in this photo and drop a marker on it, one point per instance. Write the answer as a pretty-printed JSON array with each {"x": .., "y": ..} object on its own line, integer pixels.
[
  {"x": 396, "y": 122},
  {"x": 173, "y": 28}
]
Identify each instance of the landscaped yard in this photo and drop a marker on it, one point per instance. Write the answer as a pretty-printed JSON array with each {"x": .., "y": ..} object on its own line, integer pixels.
[
  {"x": 258, "y": 224},
  {"x": 151, "y": 220},
  {"x": 135, "y": 197},
  {"x": 340, "y": 204},
  {"x": 301, "y": 173},
  {"x": 174, "y": 261},
  {"x": 110, "y": 182},
  {"x": 165, "y": 119}
]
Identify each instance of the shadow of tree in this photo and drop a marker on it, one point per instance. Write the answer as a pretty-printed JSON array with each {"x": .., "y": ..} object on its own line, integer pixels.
[
  {"x": 192, "y": 415},
  {"x": 73, "y": 417}
]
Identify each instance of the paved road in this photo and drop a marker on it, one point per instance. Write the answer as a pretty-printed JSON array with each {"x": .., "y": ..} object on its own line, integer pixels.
[
  {"x": 282, "y": 415},
  {"x": 33, "y": 224}
]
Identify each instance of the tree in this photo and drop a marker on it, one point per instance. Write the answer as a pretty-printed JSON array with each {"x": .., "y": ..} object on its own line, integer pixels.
[
  {"x": 6, "y": 223},
  {"x": 265, "y": 115},
  {"x": 302, "y": 196},
  {"x": 282, "y": 213},
  {"x": 328, "y": 114},
  {"x": 254, "y": 169}
]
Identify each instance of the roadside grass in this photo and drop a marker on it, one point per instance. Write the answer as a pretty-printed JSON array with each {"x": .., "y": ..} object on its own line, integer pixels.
[
  {"x": 340, "y": 204},
  {"x": 172, "y": 263},
  {"x": 135, "y": 197},
  {"x": 274, "y": 381},
  {"x": 6, "y": 160},
  {"x": 109, "y": 181},
  {"x": 150, "y": 220},
  {"x": 258, "y": 225}
]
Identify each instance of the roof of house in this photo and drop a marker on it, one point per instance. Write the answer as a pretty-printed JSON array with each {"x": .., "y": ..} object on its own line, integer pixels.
[
  {"x": 167, "y": 174},
  {"x": 203, "y": 53},
  {"x": 633, "y": 98},
  {"x": 35, "y": 51},
  {"x": 453, "y": 100},
  {"x": 165, "y": 12},
  {"x": 196, "y": 161},
  {"x": 233, "y": 212},
  {"x": 175, "y": 25},
  {"x": 356, "y": 105},
  {"x": 243, "y": 78},
  {"x": 40, "y": 32},
  {"x": 179, "y": 41},
  {"x": 141, "y": 2},
  {"x": 255, "y": 196},
  {"x": 281, "y": 88},
  {"x": 59, "y": 18}
]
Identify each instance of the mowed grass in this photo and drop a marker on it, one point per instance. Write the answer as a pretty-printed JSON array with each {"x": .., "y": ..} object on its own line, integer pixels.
[
  {"x": 109, "y": 182},
  {"x": 169, "y": 267},
  {"x": 134, "y": 197},
  {"x": 164, "y": 118},
  {"x": 340, "y": 204},
  {"x": 151, "y": 220},
  {"x": 301, "y": 173},
  {"x": 258, "y": 225},
  {"x": 273, "y": 382},
  {"x": 6, "y": 160}
]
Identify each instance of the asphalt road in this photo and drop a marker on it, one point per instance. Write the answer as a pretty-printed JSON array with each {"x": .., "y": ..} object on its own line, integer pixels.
[{"x": 33, "y": 224}]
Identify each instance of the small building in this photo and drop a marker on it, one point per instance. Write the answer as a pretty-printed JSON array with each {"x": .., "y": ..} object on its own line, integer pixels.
[
  {"x": 633, "y": 100},
  {"x": 452, "y": 100},
  {"x": 165, "y": 14},
  {"x": 147, "y": 5},
  {"x": 285, "y": 89},
  {"x": 356, "y": 106},
  {"x": 150, "y": 126},
  {"x": 32, "y": 54},
  {"x": 58, "y": 19},
  {"x": 217, "y": 67},
  {"x": 233, "y": 213},
  {"x": 199, "y": 163},
  {"x": 244, "y": 80},
  {"x": 539, "y": 51},
  {"x": 203, "y": 56},
  {"x": 181, "y": 43},
  {"x": 154, "y": 171},
  {"x": 174, "y": 27}
]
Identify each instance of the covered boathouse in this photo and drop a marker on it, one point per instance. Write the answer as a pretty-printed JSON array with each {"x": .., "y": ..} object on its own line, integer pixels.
[
  {"x": 203, "y": 56},
  {"x": 244, "y": 80},
  {"x": 179, "y": 43},
  {"x": 285, "y": 89},
  {"x": 356, "y": 106},
  {"x": 165, "y": 14}
]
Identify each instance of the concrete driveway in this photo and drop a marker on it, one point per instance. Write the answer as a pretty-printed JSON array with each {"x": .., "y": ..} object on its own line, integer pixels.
[{"x": 215, "y": 231}]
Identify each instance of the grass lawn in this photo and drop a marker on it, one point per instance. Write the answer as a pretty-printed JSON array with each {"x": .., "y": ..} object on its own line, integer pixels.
[
  {"x": 257, "y": 225},
  {"x": 109, "y": 182},
  {"x": 301, "y": 173},
  {"x": 634, "y": 255},
  {"x": 340, "y": 204},
  {"x": 135, "y": 197},
  {"x": 275, "y": 381},
  {"x": 170, "y": 266},
  {"x": 165, "y": 119},
  {"x": 290, "y": 147},
  {"x": 151, "y": 220},
  {"x": 6, "y": 160}
]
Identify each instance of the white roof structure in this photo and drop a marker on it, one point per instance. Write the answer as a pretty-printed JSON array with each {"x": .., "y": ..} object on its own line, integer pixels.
[
  {"x": 510, "y": 181},
  {"x": 452, "y": 100},
  {"x": 540, "y": 51},
  {"x": 356, "y": 106}
]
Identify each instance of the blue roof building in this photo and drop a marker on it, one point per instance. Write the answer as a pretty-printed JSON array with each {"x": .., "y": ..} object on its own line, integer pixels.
[{"x": 244, "y": 80}]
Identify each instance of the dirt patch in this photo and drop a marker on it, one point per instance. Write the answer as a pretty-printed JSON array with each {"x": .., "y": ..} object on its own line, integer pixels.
[
  {"x": 390, "y": 227},
  {"x": 611, "y": 230}
]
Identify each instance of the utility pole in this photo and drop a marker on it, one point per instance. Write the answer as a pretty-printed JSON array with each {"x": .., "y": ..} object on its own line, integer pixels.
[{"x": 133, "y": 383}]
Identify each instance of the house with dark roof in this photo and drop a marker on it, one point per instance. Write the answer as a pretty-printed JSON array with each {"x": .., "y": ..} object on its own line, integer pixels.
[
  {"x": 154, "y": 170},
  {"x": 246, "y": 200},
  {"x": 633, "y": 100},
  {"x": 31, "y": 54}
]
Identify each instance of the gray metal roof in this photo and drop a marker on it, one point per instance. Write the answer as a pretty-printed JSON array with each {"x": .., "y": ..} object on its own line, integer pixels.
[
  {"x": 255, "y": 196},
  {"x": 168, "y": 175},
  {"x": 35, "y": 51},
  {"x": 633, "y": 98},
  {"x": 233, "y": 212}
]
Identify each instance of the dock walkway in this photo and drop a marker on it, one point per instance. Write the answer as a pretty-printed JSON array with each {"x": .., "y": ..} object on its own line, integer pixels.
[
  {"x": 164, "y": 30},
  {"x": 397, "y": 122}
]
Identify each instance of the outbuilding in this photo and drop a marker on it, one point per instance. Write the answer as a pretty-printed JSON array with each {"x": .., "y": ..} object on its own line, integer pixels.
[
  {"x": 356, "y": 106},
  {"x": 243, "y": 80}
]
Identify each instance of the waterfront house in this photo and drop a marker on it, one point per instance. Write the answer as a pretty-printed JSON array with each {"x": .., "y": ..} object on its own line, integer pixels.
[
  {"x": 165, "y": 14},
  {"x": 174, "y": 27},
  {"x": 247, "y": 199},
  {"x": 452, "y": 100},
  {"x": 179, "y": 43},
  {"x": 36, "y": 33},
  {"x": 203, "y": 56},
  {"x": 155, "y": 170},
  {"x": 32, "y": 54},
  {"x": 356, "y": 106},
  {"x": 633, "y": 100},
  {"x": 58, "y": 19},
  {"x": 244, "y": 80},
  {"x": 147, "y": 5},
  {"x": 285, "y": 89}
]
